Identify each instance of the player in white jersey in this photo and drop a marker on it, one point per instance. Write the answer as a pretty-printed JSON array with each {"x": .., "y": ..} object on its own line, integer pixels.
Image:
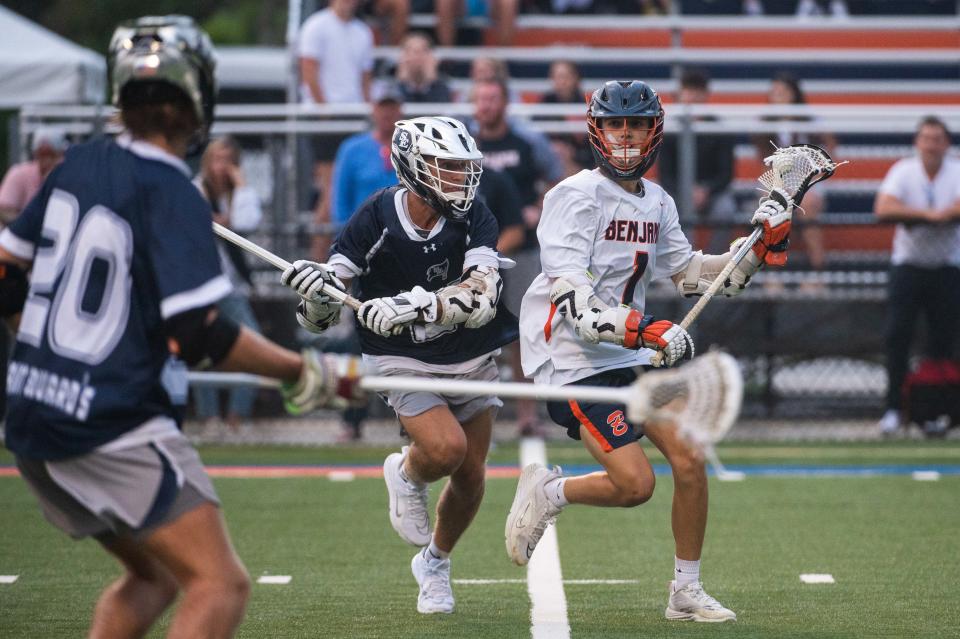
[{"x": 604, "y": 236}]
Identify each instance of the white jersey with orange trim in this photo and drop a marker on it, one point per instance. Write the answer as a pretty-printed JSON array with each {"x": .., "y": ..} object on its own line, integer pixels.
[{"x": 592, "y": 227}]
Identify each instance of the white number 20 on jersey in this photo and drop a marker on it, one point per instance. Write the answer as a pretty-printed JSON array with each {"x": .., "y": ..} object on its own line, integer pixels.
[{"x": 78, "y": 328}]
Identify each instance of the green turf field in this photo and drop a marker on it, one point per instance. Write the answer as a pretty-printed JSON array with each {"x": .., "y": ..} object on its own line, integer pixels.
[{"x": 890, "y": 542}]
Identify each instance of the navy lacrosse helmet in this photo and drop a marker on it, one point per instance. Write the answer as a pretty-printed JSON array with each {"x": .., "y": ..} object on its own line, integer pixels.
[
  {"x": 624, "y": 99},
  {"x": 154, "y": 53}
]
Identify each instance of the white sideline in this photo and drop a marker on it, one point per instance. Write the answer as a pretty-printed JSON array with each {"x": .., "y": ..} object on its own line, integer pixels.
[{"x": 548, "y": 603}]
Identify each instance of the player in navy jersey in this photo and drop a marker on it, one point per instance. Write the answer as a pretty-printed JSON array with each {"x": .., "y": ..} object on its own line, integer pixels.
[
  {"x": 423, "y": 256},
  {"x": 124, "y": 273}
]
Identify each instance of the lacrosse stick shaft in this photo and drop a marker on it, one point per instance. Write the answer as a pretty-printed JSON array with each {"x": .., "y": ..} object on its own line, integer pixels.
[
  {"x": 694, "y": 313},
  {"x": 278, "y": 262}
]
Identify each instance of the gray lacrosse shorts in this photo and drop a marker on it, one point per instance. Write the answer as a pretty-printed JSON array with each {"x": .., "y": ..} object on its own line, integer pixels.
[
  {"x": 463, "y": 407},
  {"x": 127, "y": 492}
]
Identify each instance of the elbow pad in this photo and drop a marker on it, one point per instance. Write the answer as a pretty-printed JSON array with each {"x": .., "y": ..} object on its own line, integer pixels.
[
  {"x": 702, "y": 270},
  {"x": 13, "y": 289},
  {"x": 200, "y": 341}
]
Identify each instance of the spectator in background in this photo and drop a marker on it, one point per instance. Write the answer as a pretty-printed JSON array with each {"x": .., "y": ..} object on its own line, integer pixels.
[
  {"x": 503, "y": 19},
  {"x": 499, "y": 193},
  {"x": 336, "y": 66},
  {"x": 236, "y": 206},
  {"x": 396, "y": 14},
  {"x": 23, "y": 180},
  {"x": 564, "y": 84},
  {"x": 712, "y": 196},
  {"x": 785, "y": 90},
  {"x": 417, "y": 77},
  {"x": 922, "y": 195},
  {"x": 573, "y": 149},
  {"x": 362, "y": 163},
  {"x": 505, "y": 148}
]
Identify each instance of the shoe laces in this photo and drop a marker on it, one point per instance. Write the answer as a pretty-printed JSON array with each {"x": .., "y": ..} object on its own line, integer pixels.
[
  {"x": 696, "y": 592},
  {"x": 416, "y": 500},
  {"x": 436, "y": 578}
]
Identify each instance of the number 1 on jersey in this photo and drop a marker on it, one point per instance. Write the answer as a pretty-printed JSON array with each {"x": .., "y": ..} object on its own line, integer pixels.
[{"x": 640, "y": 260}]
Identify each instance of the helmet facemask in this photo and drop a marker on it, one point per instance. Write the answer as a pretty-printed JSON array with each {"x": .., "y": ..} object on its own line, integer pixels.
[
  {"x": 438, "y": 160},
  {"x": 629, "y": 149},
  {"x": 454, "y": 182}
]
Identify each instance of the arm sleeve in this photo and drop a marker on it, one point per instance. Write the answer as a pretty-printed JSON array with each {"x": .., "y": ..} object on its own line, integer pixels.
[
  {"x": 673, "y": 248},
  {"x": 482, "y": 238},
  {"x": 567, "y": 231},
  {"x": 181, "y": 248},
  {"x": 893, "y": 183},
  {"x": 247, "y": 213},
  {"x": 359, "y": 240},
  {"x": 310, "y": 42},
  {"x": 367, "y": 61}
]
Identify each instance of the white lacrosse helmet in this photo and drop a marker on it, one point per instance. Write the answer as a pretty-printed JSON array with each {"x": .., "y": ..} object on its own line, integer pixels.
[{"x": 438, "y": 159}]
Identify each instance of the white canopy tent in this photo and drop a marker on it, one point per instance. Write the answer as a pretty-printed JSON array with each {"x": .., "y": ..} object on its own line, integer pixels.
[{"x": 38, "y": 66}]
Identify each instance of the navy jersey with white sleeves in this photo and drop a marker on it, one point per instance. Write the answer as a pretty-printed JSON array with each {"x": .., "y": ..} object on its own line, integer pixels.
[
  {"x": 120, "y": 240},
  {"x": 382, "y": 250}
]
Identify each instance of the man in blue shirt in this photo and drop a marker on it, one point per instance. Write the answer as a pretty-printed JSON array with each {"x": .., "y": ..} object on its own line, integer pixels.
[{"x": 362, "y": 165}]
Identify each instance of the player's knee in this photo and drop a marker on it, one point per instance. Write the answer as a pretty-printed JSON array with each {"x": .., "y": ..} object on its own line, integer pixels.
[
  {"x": 446, "y": 455},
  {"x": 635, "y": 490},
  {"x": 688, "y": 468}
]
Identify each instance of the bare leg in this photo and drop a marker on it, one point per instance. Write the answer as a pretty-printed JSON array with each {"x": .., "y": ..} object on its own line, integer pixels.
[
  {"x": 397, "y": 13},
  {"x": 448, "y": 15},
  {"x": 503, "y": 15},
  {"x": 439, "y": 444},
  {"x": 690, "y": 493},
  {"x": 197, "y": 551},
  {"x": 132, "y": 603},
  {"x": 627, "y": 479},
  {"x": 462, "y": 495}
]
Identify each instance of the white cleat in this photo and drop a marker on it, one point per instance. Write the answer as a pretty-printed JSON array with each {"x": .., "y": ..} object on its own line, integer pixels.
[
  {"x": 530, "y": 513},
  {"x": 433, "y": 577},
  {"x": 408, "y": 502},
  {"x": 691, "y": 603}
]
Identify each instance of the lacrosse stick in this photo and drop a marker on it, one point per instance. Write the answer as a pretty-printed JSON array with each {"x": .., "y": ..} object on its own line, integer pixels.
[
  {"x": 702, "y": 397},
  {"x": 279, "y": 262},
  {"x": 793, "y": 169}
]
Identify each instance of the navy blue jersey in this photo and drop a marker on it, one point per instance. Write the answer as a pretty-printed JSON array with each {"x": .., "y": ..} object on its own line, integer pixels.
[
  {"x": 120, "y": 240},
  {"x": 385, "y": 254}
]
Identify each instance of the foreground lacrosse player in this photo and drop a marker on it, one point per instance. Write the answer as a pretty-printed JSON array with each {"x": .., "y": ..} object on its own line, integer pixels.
[
  {"x": 125, "y": 271},
  {"x": 604, "y": 235},
  {"x": 424, "y": 256}
]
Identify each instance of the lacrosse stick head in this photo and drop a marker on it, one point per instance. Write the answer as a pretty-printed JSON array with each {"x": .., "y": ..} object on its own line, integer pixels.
[
  {"x": 796, "y": 168},
  {"x": 702, "y": 397}
]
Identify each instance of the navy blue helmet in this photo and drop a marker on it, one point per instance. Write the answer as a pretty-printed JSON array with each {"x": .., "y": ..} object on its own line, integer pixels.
[{"x": 616, "y": 150}]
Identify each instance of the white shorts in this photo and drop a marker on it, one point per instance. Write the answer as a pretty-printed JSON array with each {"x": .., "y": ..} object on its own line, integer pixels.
[
  {"x": 463, "y": 407},
  {"x": 130, "y": 491}
]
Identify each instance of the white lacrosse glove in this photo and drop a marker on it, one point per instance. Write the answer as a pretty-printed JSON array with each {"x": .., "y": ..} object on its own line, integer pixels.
[
  {"x": 487, "y": 286},
  {"x": 326, "y": 381},
  {"x": 317, "y": 311},
  {"x": 594, "y": 321},
  {"x": 388, "y": 316},
  {"x": 775, "y": 215}
]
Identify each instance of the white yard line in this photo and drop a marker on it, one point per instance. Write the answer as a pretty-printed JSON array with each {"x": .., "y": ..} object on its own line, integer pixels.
[
  {"x": 569, "y": 582},
  {"x": 548, "y": 603},
  {"x": 8, "y": 579}
]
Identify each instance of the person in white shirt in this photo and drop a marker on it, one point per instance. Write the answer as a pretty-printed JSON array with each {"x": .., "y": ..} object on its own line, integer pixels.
[
  {"x": 604, "y": 235},
  {"x": 922, "y": 195},
  {"x": 336, "y": 55}
]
